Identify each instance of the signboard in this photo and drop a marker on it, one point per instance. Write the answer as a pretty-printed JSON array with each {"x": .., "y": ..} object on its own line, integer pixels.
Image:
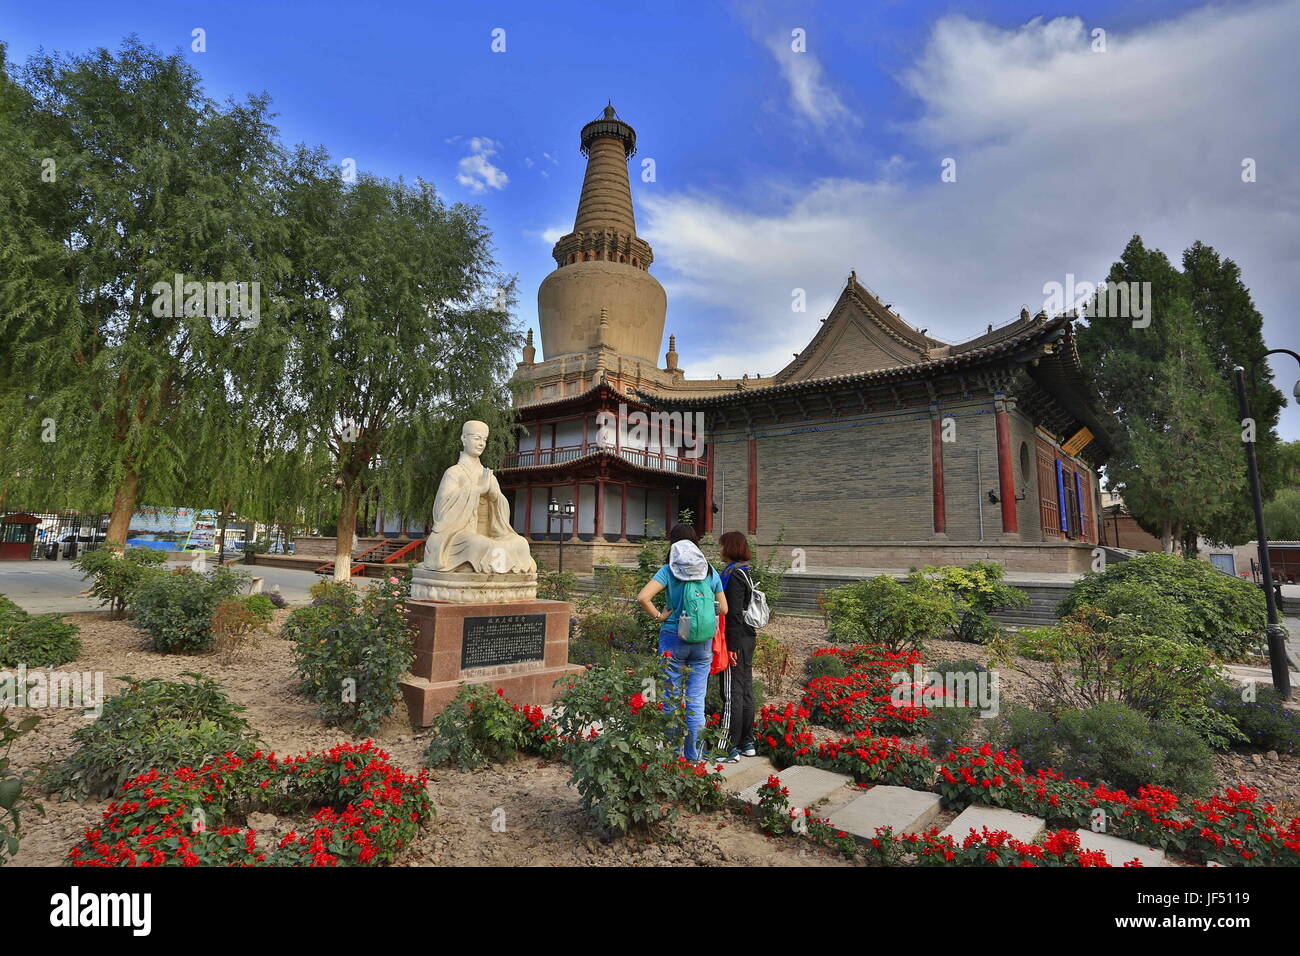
[
  {"x": 163, "y": 520},
  {"x": 1078, "y": 442},
  {"x": 502, "y": 639}
]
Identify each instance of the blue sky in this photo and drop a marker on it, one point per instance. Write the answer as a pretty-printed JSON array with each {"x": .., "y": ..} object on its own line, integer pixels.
[{"x": 776, "y": 170}]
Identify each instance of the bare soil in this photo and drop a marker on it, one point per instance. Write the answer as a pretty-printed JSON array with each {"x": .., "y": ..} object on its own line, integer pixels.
[{"x": 539, "y": 820}]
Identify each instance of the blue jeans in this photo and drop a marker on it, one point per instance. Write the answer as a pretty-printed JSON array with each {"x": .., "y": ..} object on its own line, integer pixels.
[{"x": 689, "y": 662}]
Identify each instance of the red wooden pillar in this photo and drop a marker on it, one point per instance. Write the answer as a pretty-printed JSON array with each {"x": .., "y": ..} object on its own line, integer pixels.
[
  {"x": 584, "y": 434},
  {"x": 753, "y": 486},
  {"x": 528, "y": 512},
  {"x": 577, "y": 510},
  {"x": 668, "y": 505},
  {"x": 936, "y": 468},
  {"x": 622, "y": 518},
  {"x": 1006, "y": 477},
  {"x": 599, "y": 527},
  {"x": 708, "y": 490}
]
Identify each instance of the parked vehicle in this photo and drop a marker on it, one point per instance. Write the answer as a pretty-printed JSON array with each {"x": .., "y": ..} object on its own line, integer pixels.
[{"x": 71, "y": 544}]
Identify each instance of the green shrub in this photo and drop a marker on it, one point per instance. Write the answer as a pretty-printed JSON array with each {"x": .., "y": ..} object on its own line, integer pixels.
[
  {"x": 479, "y": 727},
  {"x": 825, "y": 665},
  {"x": 44, "y": 640},
  {"x": 153, "y": 724},
  {"x": 616, "y": 628},
  {"x": 260, "y": 606},
  {"x": 879, "y": 610},
  {"x": 1264, "y": 722},
  {"x": 117, "y": 576},
  {"x": 350, "y": 653},
  {"x": 15, "y": 795},
  {"x": 978, "y": 590},
  {"x": 1094, "y": 658},
  {"x": 176, "y": 609},
  {"x": 556, "y": 585},
  {"x": 1177, "y": 596},
  {"x": 627, "y": 778},
  {"x": 1115, "y": 744}
]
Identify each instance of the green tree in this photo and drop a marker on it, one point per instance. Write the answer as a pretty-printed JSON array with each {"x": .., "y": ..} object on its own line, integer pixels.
[
  {"x": 398, "y": 334},
  {"x": 153, "y": 180},
  {"x": 1282, "y": 516},
  {"x": 1178, "y": 460}
]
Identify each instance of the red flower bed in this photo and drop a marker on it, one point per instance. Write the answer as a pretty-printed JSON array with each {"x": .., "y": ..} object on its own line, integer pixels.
[
  {"x": 1232, "y": 827},
  {"x": 372, "y": 810}
]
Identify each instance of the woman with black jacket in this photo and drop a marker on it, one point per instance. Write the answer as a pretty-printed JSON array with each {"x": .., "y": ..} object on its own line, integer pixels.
[{"x": 738, "y": 679}]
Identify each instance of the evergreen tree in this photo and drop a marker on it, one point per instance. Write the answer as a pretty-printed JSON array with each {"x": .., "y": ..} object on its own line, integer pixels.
[{"x": 1168, "y": 387}]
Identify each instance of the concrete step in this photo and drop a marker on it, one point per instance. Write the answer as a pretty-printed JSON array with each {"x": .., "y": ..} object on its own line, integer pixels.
[
  {"x": 807, "y": 785},
  {"x": 750, "y": 770},
  {"x": 1022, "y": 826},
  {"x": 1118, "y": 852},
  {"x": 904, "y": 810}
]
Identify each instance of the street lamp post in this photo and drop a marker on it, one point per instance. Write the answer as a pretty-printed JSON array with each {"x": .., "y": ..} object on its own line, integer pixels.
[
  {"x": 561, "y": 515},
  {"x": 1276, "y": 633}
]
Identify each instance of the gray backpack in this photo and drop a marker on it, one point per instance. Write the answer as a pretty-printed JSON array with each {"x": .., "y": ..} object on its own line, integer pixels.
[{"x": 756, "y": 612}]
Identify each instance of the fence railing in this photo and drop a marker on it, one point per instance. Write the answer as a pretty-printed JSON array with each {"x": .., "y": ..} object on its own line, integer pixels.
[{"x": 644, "y": 457}]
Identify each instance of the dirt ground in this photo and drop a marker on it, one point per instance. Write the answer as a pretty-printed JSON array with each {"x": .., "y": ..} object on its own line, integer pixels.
[{"x": 543, "y": 822}]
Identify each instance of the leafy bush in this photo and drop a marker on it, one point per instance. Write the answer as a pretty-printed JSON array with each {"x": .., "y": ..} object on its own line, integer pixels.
[
  {"x": 556, "y": 585},
  {"x": 15, "y": 798},
  {"x": 825, "y": 663},
  {"x": 44, "y": 640},
  {"x": 1264, "y": 722},
  {"x": 481, "y": 727},
  {"x": 176, "y": 609},
  {"x": 879, "y": 610},
  {"x": 771, "y": 659},
  {"x": 153, "y": 724},
  {"x": 350, "y": 653},
  {"x": 1196, "y": 601},
  {"x": 978, "y": 590},
  {"x": 1112, "y": 743},
  {"x": 239, "y": 622},
  {"x": 1093, "y": 658},
  {"x": 627, "y": 778},
  {"x": 117, "y": 576}
]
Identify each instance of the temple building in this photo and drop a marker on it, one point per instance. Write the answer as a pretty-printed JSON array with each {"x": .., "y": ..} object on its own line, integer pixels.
[{"x": 878, "y": 446}]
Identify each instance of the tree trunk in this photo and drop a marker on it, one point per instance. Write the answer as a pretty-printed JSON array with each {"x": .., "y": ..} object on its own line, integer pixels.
[
  {"x": 221, "y": 531},
  {"x": 119, "y": 523},
  {"x": 344, "y": 531}
]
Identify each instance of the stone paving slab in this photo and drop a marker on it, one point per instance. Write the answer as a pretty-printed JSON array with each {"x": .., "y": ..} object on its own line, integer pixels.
[
  {"x": 738, "y": 776},
  {"x": 1022, "y": 826},
  {"x": 1119, "y": 852},
  {"x": 906, "y": 811},
  {"x": 807, "y": 785}
]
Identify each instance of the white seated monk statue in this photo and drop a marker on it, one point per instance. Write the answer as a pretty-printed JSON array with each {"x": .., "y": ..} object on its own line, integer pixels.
[{"x": 471, "y": 517}]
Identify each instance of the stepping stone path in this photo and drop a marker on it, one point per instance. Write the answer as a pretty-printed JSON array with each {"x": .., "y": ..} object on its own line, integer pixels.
[
  {"x": 904, "y": 810},
  {"x": 1119, "y": 852},
  {"x": 807, "y": 785},
  {"x": 1020, "y": 825},
  {"x": 908, "y": 811}
]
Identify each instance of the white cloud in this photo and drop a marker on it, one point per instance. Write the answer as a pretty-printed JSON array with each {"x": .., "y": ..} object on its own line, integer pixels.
[
  {"x": 1062, "y": 154},
  {"x": 476, "y": 172}
]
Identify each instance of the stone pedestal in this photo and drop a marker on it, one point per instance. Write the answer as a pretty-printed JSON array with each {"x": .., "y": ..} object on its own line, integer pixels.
[
  {"x": 468, "y": 587},
  {"x": 521, "y": 647}
]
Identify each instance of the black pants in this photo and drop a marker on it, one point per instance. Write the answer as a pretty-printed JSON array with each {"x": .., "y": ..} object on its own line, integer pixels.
[{"x": 739, "y": 678}]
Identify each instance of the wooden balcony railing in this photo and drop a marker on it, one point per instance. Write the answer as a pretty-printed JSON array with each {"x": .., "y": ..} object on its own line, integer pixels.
[{"x": 530, "y": 457}]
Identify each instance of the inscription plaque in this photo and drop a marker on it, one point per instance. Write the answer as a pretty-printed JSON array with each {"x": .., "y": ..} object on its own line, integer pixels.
[{"x": 502, "y": 639}]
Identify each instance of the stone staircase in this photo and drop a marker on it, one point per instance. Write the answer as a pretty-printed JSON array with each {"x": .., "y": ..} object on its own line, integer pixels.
[{"x": 861, "y": 812}]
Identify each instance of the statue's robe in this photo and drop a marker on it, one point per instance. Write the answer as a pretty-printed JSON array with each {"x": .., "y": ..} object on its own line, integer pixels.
[{"x": 471, "y": 525}]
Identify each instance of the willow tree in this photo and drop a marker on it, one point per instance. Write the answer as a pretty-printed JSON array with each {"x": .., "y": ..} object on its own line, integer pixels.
[
  {"x": 152, "y": 181},
  {"x": 397, "y": 323}
]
